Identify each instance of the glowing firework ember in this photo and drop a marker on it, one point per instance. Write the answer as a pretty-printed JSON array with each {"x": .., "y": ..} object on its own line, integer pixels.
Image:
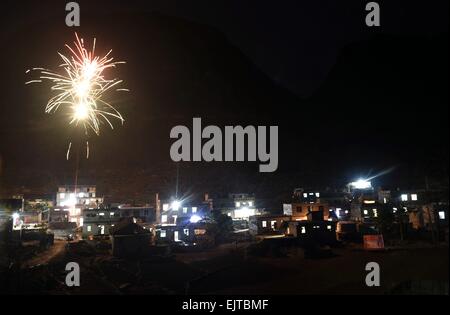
[{"x": 81, "y": 88}]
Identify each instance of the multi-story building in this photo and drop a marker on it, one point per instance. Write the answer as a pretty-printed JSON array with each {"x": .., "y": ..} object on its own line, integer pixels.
[
  {"x": 305, "y": 202},
  {"x": 237, "y": 206},
  {"x": 98, "y": 222},
  {"x": 72, "y": 200},
  {"x": 82, "y": 195}
]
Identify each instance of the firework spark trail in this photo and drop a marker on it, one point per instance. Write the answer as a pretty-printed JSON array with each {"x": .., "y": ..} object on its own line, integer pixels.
[{"x": 80, "y": 88}]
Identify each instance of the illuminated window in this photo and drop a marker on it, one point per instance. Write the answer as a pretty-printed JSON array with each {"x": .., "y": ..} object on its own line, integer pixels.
[
  {"x": 264, "y": 224},
  {"x": 305, "y": 195},
  {"x": 250, "y": 203},
  {"x": 329, "y": 227},
  {"x": 185, "y": 210},
  {"x": 194, "y": 209},
  {"x": 101, "y": 214},
  {"x": 303, "y": 230},
  {"x": 111, "y": 214},
  {"x": 89, "y": 228},
  {"x": 404, "y": 197},
  {"x": 186, "y": 232},
  {"x": 366, "y": 212},
  {"x": 318, "y": 195},
  {"x": 238, "y": 204},
  {"x": 165, "y": 207},
  {"x": 200, "y": 232},
  {"x": 442, "y": 215},
  {"x": 62, "y": 195},
  {"x": 163, "y": 233},
  {"x": 414, "y": 197},
  {"x": 164, "y": 219},
  {"x": 273, "y": 224},
  {"x": 81, "y": 195}
]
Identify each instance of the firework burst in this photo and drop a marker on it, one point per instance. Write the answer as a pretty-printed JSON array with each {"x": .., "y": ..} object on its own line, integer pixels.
[{"x": 80, "y": 87}]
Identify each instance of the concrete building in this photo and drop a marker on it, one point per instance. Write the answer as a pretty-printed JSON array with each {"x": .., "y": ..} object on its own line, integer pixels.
[
  {"x": 238, "y": 206},
  {"x": 72, "y": 200},
  {"x": 98, "y": 222},
  {"x": 82, "y": 195}
]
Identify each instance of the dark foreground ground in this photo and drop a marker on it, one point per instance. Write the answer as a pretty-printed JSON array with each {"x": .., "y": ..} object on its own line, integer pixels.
[{"x": 228, "y": 269}]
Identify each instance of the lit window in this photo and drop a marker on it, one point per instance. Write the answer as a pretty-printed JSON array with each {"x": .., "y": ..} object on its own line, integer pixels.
[
  {"x": 89, "y": 228},
  {"x": 264, "y": 224},
  {"x": 194, "y": 209},
  {"x": 273, "y": 225},
  {"x": 101, "y": 214},
  {"x": 414, "y": 197},
  {"x": 404, "y": 197},
  {"x": 229, "y": 214},
  {"x": 163, "y": 233},
  {"x": 165, "y": 207},
  {"x": 366, "y": 212},
  {"x": 384, "y": 200},
  {"x": 185, "y": 210},
  {"x": 111, "y": 214},
  {"x": 303, "y": 230},
  {"x": 174, "y": 219},
  {"x": 200, "y": 232},
  {"x": 318, "y": 195},
  {"x": 238, "y": 204},
  {"x": 375, "y": 213},
  {"x": 81, "y": 195},
  {"x": 394, "y": 210},
  {"x": 442, "y": 215},
  {"x": 329, "y": 227},
  {"x": 62, "y": 195},
  {"x": 250, "y": 203},
  {"x": 305, "y": 195},
  {"x": 186, "y": 232},
  {"x": 164, "y": 218}
]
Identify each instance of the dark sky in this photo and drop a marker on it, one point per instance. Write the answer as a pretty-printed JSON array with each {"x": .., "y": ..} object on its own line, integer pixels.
[
  {"x": 349, "y": 100},
  {"x": 294, "y": 42}
]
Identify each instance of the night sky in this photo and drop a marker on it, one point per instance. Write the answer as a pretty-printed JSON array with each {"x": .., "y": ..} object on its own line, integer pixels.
[{"x": 349, "y": 100}]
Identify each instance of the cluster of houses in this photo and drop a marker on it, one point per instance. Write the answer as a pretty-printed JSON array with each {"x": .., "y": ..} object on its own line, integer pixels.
[{"x": 183, "y": 221}]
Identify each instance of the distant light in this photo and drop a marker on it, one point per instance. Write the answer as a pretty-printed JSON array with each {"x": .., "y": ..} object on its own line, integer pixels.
[
  {"x": 176, "y": 205},
  {"x": 361, "y": 184},
  {"x": 414, "y": 197},
  {"x": 404, "y": 197},
  {"x": 195, "y": 219},
  {"x": 442, "y": 215},
  {"x": 369, "y": 202}
]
